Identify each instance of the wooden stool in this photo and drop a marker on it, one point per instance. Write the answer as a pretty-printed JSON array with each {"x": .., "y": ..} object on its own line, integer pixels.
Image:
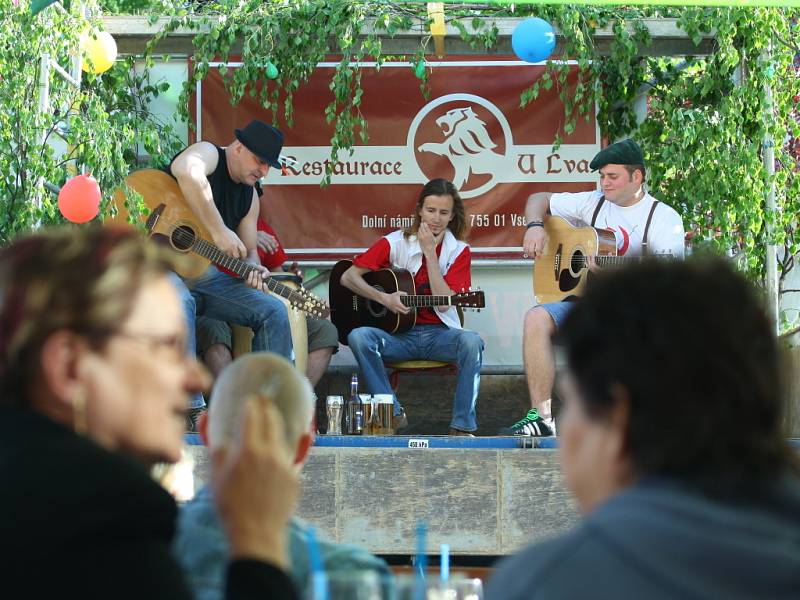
[
  {"x": 242, "y": 338},
  {"x": 409, "y": 366}
]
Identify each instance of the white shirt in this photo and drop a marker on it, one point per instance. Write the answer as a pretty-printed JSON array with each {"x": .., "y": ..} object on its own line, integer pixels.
[{"x": 666, "y": 235}]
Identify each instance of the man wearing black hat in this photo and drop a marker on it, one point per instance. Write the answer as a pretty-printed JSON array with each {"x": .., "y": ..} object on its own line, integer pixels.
[
  {"x": 219, "y": 185},
  {"x": 638, "y": 221}
]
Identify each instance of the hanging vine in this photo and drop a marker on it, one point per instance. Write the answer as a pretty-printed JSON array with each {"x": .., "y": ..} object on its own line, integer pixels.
[
  {"x": 703, "y": 135},
  {"x": 95, "y": 128}
]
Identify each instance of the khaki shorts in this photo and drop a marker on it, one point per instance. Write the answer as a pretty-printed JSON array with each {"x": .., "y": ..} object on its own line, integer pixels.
[{"x": 321, "y": 334}]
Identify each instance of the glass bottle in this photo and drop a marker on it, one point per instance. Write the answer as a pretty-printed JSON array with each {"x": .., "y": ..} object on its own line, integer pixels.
[{"x": 354, "y": 410}]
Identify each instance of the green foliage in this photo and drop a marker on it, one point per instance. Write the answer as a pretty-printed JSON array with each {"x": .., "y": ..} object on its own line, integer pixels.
[
  {"x": 294, "y": 35},
  {"x": 703, "y": 135},
  {"x": 93, "y": 129}
]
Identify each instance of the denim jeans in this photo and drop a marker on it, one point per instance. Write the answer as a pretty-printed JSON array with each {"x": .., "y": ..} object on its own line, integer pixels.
[
  {"x": 372, "y": 346},
  {"x": 189, "y": 310},
  {"x": 221, "y": 296},
  {"x": 558, "y": 311}
]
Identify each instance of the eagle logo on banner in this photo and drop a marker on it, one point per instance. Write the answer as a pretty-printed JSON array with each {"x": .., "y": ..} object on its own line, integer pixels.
[{"x": 466, "y": 145}]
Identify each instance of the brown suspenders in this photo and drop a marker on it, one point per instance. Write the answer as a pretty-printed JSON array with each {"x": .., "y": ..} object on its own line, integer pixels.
[
  {"x": 645, "y": 251},
  {"x": 597, "y": 209},
  {"x": 646, "y": 227}
]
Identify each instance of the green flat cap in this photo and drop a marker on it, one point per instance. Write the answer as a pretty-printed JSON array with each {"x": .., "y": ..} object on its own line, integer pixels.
[{"x": 626, "y": 152}]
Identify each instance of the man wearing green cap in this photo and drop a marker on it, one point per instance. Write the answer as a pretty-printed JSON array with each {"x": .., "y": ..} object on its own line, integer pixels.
[{"x": 641, "y": 224}]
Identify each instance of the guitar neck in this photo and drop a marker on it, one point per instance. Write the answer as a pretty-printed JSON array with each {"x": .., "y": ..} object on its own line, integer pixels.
[
  {"x": 610, "y": 260},
  {"x": 616, "y": 260},
  {"x": 426, "y": 300},
  {"x": 242, "y": 268}
]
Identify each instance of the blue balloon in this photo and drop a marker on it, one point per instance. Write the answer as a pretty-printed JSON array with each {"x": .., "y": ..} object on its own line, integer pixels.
[{"x": 533, "y": 40}]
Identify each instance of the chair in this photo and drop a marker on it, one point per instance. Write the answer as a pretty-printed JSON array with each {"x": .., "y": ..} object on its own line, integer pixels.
[
  {"x": 242, "y": 337},
  {"x": 430, "y": 366}
]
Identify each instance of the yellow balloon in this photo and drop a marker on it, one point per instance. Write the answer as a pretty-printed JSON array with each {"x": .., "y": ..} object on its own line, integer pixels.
[{"x": 101, "y": 51}]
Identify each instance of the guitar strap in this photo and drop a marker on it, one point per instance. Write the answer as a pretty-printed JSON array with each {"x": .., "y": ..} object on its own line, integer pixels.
[
  {"x": 597, "y": 209},
  {"x": 647, "y": 228}
]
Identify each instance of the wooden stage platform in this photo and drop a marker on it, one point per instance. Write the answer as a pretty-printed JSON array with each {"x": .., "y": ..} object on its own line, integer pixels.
[{"x": 484, "y": 496}]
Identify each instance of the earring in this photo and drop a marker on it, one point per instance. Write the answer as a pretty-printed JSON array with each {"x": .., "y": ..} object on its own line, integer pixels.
[{"x": 79, "y": 424}]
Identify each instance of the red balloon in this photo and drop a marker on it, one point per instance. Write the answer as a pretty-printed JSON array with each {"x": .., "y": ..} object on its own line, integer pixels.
[{"x": 79, "y": 199}]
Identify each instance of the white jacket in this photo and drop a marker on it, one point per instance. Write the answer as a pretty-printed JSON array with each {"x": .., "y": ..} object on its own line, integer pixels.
[{"x": 406, "y": 253}]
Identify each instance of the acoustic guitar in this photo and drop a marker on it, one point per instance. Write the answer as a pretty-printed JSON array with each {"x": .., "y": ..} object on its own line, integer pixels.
[
  {"x": 562, "y": 272},
  {"x": 171, "y": 221},
  {"x": 350, "y": 310}
]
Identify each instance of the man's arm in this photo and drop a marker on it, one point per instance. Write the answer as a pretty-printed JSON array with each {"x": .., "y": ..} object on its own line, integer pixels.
[
  {"x": 536, "y": 209},
  {"x": 248, "y": 233},
  {"x": 191, "y": 169},
  {"x": 353, "y": 280}
]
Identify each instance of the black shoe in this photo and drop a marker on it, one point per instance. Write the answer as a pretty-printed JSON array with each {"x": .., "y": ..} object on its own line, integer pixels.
[
  {"x": 193, "y": 419},
  {"x": 531, "y": 425},
  {"x": 460, "y": 432}
]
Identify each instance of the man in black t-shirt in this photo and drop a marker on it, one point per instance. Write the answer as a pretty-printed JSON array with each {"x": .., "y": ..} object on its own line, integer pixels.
[{"x": 219, "y": 186}]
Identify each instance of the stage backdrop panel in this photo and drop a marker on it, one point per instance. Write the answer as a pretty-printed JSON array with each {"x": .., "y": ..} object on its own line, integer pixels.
[{"x": 471, "y": 130}]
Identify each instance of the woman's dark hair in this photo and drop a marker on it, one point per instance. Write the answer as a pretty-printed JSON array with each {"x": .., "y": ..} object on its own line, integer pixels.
[
  {"x": 692, "y": 346},
  {"x": 83, "y": 280},
  {"x": 441, "y": 187}
]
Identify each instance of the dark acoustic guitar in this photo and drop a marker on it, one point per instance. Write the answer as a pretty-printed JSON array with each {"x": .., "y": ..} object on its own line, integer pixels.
[
  {"x": 172, "y": 221},
  {"x": 349, "y": 310}
]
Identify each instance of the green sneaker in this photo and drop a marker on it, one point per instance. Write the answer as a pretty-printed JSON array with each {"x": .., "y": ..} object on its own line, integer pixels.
[{"x": 531, "y": 425}]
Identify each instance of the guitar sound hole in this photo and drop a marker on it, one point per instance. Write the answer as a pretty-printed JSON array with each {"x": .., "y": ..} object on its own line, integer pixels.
[
  {"x": 376, "y": 309},
  {"x": 577, "y": 262},
  {"x": 182, "y": 237}
]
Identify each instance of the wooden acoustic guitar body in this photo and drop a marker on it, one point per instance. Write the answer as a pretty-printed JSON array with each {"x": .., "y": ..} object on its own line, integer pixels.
[
  {"x": 176, "y": 224},
  {"x": 561, "y": 274},
  {"x": 349, "y": 310}
]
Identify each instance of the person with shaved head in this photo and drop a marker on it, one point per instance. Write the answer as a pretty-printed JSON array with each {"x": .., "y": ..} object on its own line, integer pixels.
[{"x": 200, "y": 544}]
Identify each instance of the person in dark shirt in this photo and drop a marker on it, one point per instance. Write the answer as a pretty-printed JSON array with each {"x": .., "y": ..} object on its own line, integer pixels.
[
  {"x": 672, "y": 442},
  {"x": 215, "y": 339},
  {"x": 94, "y": 381},
  {"x": 219, "y": 186}
]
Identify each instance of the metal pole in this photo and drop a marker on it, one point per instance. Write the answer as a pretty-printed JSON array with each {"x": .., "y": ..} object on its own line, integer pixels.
[
  {"x": 44, "y": 108},
  {"x": 771, "y": 259}
]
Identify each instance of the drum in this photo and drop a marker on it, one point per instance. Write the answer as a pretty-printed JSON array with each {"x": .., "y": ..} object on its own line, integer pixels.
[{"x": 243, "y": 336}]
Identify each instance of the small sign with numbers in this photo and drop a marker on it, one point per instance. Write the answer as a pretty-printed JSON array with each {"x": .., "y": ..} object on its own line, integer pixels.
[{"x": 416, "y": 443}]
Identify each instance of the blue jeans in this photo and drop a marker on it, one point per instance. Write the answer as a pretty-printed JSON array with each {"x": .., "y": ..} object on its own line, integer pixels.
[
  {"x": 558, "y": 311},
  {"x": 189, "y": 310},
  {"x": 221, "y": 296},
  {"x": 372, "y": 346}
]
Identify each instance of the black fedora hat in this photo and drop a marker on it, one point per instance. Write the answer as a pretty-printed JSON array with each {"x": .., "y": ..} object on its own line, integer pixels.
[{"x": 265, "y": 141}]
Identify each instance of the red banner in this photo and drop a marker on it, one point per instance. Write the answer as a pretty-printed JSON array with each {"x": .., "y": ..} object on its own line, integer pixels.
[{"x": 471, "y": 130}]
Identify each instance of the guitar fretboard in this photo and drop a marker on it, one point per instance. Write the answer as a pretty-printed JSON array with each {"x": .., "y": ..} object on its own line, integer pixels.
[
  {"x": 425, "y": 300},
  {"x": 243, "y": 269},
  {"x": 581, "y": 260}
]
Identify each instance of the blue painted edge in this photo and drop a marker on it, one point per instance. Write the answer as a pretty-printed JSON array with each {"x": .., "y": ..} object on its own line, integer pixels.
[
  {"x": 433, "y": 441},
  {"x": 416, "y": 441}
]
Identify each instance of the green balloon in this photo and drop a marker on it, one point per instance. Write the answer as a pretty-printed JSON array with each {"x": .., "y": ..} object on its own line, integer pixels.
[
  {"x": 272, "y": 71},
  {"x": 419, "y": 69}
]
